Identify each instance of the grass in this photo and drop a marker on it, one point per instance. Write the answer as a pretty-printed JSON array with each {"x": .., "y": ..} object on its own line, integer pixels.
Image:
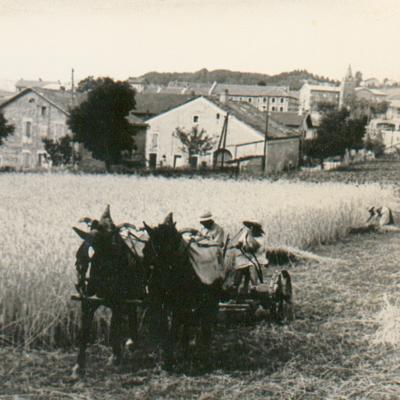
[
  {"x": 342, "y": 344},
  {"x": 328, "y": 352}
]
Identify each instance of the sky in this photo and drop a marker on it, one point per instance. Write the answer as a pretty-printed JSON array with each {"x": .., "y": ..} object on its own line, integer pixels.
[{"x": 122, "y": 38}]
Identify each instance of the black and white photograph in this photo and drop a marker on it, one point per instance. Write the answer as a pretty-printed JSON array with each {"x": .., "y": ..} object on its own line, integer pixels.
[{"x": 199, "y": 199}]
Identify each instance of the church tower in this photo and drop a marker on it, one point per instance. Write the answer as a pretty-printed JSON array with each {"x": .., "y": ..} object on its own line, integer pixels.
[{"x": 347, "y": 87}]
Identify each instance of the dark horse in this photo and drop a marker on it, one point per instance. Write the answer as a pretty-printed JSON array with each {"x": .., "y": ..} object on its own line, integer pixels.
[
  {"x": 176, "y": 293},
  {"x": 115, "y": 280}
]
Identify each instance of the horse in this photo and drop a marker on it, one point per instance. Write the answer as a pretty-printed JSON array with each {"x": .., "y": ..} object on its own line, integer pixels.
[
  {"x": 177, "y": 292},
  {"x": 115, "y": 281}
]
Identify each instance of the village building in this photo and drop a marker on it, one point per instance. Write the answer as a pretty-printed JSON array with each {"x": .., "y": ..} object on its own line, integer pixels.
[
  {"x": 23, "y": 84},
  {"x": 273, "y": 98},
  {"x": 311, "y": 96},
  {"x": 369, "y": 94},
  {"x": 302, "y": 124},
  {"x": 244, "y": 127},
  {"x": 387, "y": 130},
  {"x": 371, "y": 83},
  {"x": 347, "y": 88}
]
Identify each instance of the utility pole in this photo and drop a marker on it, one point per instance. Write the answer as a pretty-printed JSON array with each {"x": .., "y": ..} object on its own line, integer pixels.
[
  {"x": 72, "y": 106},
  {"x": 264, "y": 160}
]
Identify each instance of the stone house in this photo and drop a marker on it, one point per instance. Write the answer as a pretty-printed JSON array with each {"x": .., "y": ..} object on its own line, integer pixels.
[
  {"x": 245, "y": 132},
  {"x": 35, "y": 114}
]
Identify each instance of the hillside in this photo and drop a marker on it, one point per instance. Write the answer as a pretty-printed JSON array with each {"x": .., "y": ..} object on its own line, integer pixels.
[{"x": 293, "y": 79}]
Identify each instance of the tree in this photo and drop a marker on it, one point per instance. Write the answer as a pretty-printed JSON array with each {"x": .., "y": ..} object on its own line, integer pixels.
[
  {"x": 100, "y": 122},
  {"x": 375, "y": 145},
  {"x": 194, "y": 142},
  {"x": 337, "y": 133},
  {"x": 60, "y": 152},
  {"x": 6, "y": 129}
]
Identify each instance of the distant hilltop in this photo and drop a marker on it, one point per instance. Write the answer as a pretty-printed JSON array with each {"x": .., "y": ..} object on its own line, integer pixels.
[{"x": 293, "y": 79}]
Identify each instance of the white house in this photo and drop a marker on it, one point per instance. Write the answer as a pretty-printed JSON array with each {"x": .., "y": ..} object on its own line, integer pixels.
[
  {"x": 245, "y": 132},
  {"x": 311, "y": 95}
]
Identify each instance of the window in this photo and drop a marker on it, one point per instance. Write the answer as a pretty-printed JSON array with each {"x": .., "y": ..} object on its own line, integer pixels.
[
  {"x": 26, "y": 159},
  {"x": 43, "y": 111},
  {"x": 281, "y": 109},
  {"x": 154, "y": 140},
  {"x": 31, "y": 100},
  {"x": 273, "y": 108},
  {"x": 195, "y": 119},
  {"x": 282, "y": 100},
  {"x": 249, "y": 99},
  {"x": 273, "y": 99},
  {"x": 28, "y": 129},
  {"x": 264, "y": 99},
  {"x": 218, "y": 116},
  {"x": 43, "y": 131}
]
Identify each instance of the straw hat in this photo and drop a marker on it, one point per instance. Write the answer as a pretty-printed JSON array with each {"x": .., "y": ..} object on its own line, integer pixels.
[
  {"x": 207, "y": 216},
  {"x": 253, "y": 225}
]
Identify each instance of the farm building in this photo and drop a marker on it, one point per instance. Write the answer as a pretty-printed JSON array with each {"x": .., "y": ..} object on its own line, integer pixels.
[
  {"x": 38, "y": 113},
  {"x": 244, "y": 127}
]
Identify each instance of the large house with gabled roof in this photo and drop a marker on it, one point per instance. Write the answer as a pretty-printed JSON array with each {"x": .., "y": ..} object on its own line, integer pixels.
[
  {"x": 36, "y": 113},
  {"x": 245, "y": 132}
]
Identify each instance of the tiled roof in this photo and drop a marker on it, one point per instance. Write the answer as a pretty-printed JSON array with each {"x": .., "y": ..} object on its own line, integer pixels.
[
  {"x": 157, "y": 103},
  {"x": 60, "y": 98},
  {"x": 290, "y": 119},
  {"x": 254, "y": 118}
]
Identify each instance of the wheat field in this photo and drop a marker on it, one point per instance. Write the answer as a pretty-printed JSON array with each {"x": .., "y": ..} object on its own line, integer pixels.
[{"x": 38, "y": 245}]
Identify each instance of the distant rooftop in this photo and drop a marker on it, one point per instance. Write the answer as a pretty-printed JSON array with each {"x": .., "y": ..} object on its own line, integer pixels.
[
  {"x": 250, "y": 90},
  {"x": 25, "y": 84}
]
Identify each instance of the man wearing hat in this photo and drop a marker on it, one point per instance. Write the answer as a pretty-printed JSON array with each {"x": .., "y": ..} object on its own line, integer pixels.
[
  {"x": 211, "y": 230},
  {"x": 251, "y": 257}
]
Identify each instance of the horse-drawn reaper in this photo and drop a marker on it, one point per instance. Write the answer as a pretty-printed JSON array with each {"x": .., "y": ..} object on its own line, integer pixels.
[{"x": 181, "y": 282}]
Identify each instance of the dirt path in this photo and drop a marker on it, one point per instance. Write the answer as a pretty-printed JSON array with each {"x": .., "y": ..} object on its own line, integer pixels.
[{"x": 326, "y": 353}]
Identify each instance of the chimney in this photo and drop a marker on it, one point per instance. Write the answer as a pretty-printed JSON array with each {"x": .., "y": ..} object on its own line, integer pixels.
[{"x": 223, "y": 98}]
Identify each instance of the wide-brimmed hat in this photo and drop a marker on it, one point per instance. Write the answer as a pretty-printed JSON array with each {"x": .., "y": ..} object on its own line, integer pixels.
[
  {"x": 253, "y": 225},
  {"x": 207, "y": 216}
]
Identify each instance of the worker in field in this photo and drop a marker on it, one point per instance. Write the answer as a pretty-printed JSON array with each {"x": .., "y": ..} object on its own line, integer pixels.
[
  {"x": 385, "y": 216},
  {"x": 210, "y": 230},
  {"x": 380, "y": 216},
  {"x": 250, "y": 258}
]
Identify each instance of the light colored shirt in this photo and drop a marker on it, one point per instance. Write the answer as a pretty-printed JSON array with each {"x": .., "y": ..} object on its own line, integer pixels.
[
  {"x": 253, "y": 250},
  {"x": 215, "y": 233}
]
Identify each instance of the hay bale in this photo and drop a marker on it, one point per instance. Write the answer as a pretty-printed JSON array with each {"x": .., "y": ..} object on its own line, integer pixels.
[
  {"x": 292, "y": 255},
  {"x": 388, "y": 320}
]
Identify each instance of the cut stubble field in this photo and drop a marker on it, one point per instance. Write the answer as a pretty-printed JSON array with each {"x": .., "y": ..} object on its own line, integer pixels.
[{"x": 330, "y": 351}]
